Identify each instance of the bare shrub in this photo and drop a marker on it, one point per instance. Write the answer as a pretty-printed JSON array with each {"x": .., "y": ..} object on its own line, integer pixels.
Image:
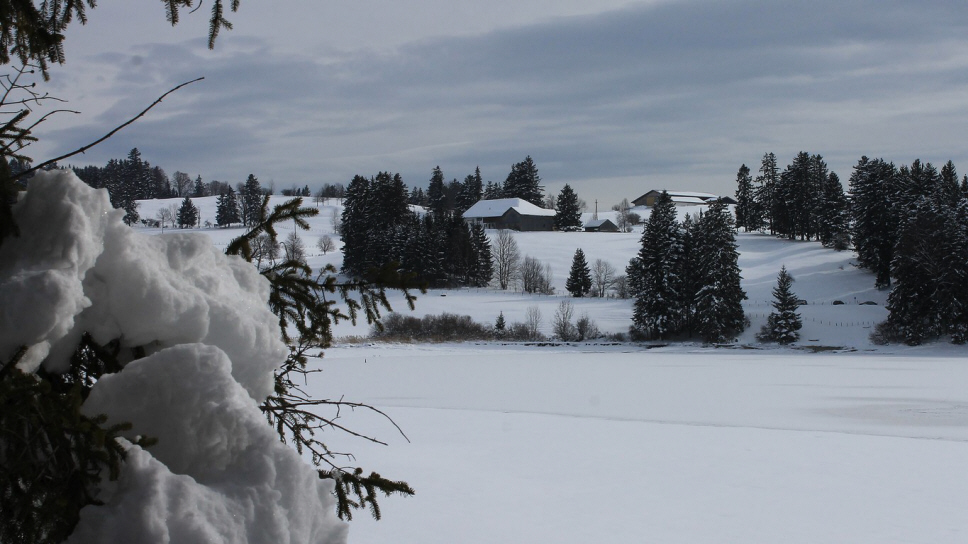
[{"x": 586, "y": 329}]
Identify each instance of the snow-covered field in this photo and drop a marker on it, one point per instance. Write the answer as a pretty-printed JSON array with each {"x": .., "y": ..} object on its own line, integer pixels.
[{"x": 622, "y": 443}]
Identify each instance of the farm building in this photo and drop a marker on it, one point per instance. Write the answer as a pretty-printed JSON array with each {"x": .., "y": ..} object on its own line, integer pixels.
[
  {"x": 681, "y": 198},
  {"x": 601, "y": 225},
  {"x": 510, "y": 213}
]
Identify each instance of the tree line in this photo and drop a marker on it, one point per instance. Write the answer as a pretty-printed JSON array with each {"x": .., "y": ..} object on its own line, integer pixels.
[
  {"x": 380, "y": 230},
  {"x": 685, "y": 278},
  {"x": 908, "y": 225}
]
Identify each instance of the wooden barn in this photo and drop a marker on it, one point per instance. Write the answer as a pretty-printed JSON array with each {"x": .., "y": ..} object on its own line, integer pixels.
[
  {"x": 510, "y": 213},
  {"x": 601, "y": 225}
]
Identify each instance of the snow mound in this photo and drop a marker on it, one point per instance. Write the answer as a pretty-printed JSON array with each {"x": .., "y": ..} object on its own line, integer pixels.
[
  {"x": 80, "y": 269},
  {"x": 218, "y": 472}
]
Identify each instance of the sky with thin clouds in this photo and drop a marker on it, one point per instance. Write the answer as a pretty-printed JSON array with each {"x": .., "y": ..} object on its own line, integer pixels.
[{"x": 614, "y": 98}]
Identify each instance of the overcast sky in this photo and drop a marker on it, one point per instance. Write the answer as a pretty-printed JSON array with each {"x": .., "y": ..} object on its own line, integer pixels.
[{"x": 616, "y": 98}]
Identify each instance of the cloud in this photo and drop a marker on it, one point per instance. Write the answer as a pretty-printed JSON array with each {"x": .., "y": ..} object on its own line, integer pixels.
[{"x": 675, "y": 94}]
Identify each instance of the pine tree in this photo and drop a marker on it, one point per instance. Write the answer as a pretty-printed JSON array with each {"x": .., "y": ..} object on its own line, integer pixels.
[
  {"x": 568, "y": 216},
  {"x": 833, "y": 220},
  {"x": 719, "y": 313},
  {"x": 913, "y": 305},
  {"x": 187, "y": 214},
  {"x": 579, "y": 281},
  {"x": 766, "y": 197},
  {"x": 435, "y": 193},
  {"x": 354, "y": 225},
  {"x": 251, "y": 201},
  {"x": 656, "y": 274},
  {"x": 470, "y": 191},
  {"x": 748, "y": 213},
  {"x": 492, "y": 191},
  {"x": 524, "y": 182},
  {"x": 953, "y": 283},
  {"x": 123, "y": 194},
  {"x": 784, "y": 322},
  {"x": 483, "y": 268},
  {"x": 873, "y": 229},
  {"x": 227, "y": 209},
  {"x": 199, "y": 190}
]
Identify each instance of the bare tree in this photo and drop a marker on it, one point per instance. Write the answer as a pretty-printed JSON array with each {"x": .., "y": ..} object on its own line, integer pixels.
[
  {"x": 182, "y": 183},
  {"x": 531, "y": 274},
  {"x": 561, "y": 325},
  {"x": 325, "y": 244},
  {"x": 264, "y": 249},
  {"x": 621, "y": 287},
  {"x": 532, "y": 322},
  {"x": 603, "y": 277},
  {"x": 294, "y": 247},
  {"x": 336, "y": 220},
  {"x": 165, "y": 216},
  {"x": 623, "y": 219},
  {"x": 507, "y": 258},
  {"x": 546, "y": 279}
]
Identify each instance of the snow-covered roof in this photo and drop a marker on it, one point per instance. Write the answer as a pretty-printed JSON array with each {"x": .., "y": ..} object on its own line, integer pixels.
[
  {"x": 595, "y": 223},
  {"x": 498, "y": 206},
  {"x": 691, "y": 194},
  {"x": 687, "y": 200}
]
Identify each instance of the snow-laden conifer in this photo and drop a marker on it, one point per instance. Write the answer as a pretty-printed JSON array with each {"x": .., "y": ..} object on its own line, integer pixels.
[
  {"x": 719, "y": 300},
  {"x": 784, "y": 323},
  {"x": 579, "y": 281},
  {"x": 655, "y": 274}
]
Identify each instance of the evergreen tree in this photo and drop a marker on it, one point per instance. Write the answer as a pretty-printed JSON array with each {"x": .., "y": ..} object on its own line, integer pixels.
[
  {"x": 187, "y": 214},
  {"x": 719, "y": 313},
  {"x": 568, "y": 215},
  {"x": 435, "y": 193},
  {"x": 161, "y": 183},
  {"x": 227, "y": 209},
  {"x": 833, "y": 219},
  {"x": 483, "y": 268},
  {"x": 950, "y": 191},
  {"x": 656, "y": 274},
  {"x": 123, "y": 194},
  {"x": 690, "y": 275},
  {"x": 784, "y": 322},
  {"x": 913, "y": 305},
  {"x": 953, "y": 283},
  {"x": 524, "y": 182},
  {"x": 492, "y": 191},
  {"x": 199, "y": 188},
  {"x": 748, "y": 213},
  {"x": 579, "y": 281},
  {"x": 354, "y": 225},
  {"x": 470, "y": 192},
  {"x": 873, "y": 229},
  {"x": 767, "y": 181},
  {"x": 137, "y": 176},
  {"x": 251, "y": 198}
]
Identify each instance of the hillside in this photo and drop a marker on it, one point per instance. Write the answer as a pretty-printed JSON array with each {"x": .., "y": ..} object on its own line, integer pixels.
[{"x": 822, "y": 277}]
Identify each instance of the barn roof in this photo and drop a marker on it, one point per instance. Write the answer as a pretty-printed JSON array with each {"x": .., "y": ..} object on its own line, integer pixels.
[{"x": 499, "y": 206}]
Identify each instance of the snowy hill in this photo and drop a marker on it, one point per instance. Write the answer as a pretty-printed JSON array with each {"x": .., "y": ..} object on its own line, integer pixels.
[{"x": 822, "y": 276}]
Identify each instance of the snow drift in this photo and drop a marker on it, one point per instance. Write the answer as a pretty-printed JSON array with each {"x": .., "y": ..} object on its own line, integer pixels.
[{"x": 218, "y": 472}]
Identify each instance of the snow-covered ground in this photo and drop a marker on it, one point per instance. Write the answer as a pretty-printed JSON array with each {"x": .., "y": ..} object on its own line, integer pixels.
[
  {"x": 690, "y": 444},
  {"x": 627, "y": 445}
]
